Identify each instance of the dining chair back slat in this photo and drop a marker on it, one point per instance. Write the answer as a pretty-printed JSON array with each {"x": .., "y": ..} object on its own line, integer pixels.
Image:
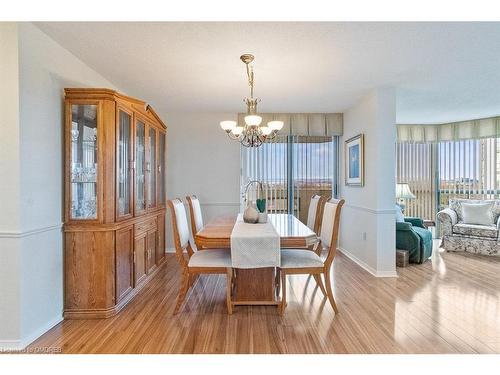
[
  {"x": 180, "y": 230},
  {"x": 195, "y": 213},
  {"x": 330, "y": 228},
  {"x": 182, "y": 223},
  {"x": 314, "y": 213}
]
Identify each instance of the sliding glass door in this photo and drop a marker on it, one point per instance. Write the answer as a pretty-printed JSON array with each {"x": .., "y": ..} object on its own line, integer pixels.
[
  {"x": 267, "y": 164},
  {"x": 313, "y": 170},
  {"x": 292, "y": 169}
]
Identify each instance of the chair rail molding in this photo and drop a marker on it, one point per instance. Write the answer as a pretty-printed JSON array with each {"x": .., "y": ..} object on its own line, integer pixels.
[
  {"x": 220, "y": 204},
  {"x": 383, "y": 211},
  {"x": 30, "y": 232}
]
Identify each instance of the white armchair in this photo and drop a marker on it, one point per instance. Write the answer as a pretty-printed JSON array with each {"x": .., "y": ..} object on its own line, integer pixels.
[{"x": 474, "y": 238}]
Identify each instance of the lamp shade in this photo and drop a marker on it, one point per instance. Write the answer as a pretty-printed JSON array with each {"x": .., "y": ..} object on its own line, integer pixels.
[
  {"x": 276, "y": 125},
  {"x": 237, "y": 130},
  {"x": 228, "y": 125},
  {"x": 266, "y": 130},
  {"x": 253, "y": 120},
  {"x": 403, "y": 192}
]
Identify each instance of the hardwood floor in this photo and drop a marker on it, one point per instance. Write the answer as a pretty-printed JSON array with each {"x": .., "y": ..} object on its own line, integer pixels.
[{"x": 450, "y": 304}]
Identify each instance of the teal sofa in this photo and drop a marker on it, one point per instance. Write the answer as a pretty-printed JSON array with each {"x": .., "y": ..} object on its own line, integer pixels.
[{"x": 412, "y": 235}]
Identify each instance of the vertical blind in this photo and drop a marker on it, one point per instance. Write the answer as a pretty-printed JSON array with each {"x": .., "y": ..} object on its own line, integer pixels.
[
  {"x": 468, "y": 169},
  {"x": 437, "y": 172},
  {"x": 267, "y": 164},
  {"x": 292, "y": 169},
  {"x": 415, "y": 165}
]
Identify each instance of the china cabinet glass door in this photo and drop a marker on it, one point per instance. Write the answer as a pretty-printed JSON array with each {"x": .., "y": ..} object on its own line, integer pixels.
[
  {"x": 140, "y": 168},
  {"x": 161, "y": 169},
  {"x": 83, "y": 162},
  {"x": 124, "y": 157},
  {"x": 151, "y": 165}
]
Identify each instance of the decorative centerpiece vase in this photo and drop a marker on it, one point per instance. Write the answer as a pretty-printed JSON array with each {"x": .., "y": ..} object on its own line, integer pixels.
[
  {"x": 256, "y": 211},
  {"x": 251, "y": 215}
]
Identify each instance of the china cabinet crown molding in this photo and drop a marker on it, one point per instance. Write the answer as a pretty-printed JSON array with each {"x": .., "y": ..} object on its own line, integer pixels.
[
  {"x": 109, "y": 94},
  {"x": 112, "y": 249}
]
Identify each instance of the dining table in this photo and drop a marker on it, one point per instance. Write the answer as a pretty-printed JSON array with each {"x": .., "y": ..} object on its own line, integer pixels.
[{"x": 255, "y": 286}]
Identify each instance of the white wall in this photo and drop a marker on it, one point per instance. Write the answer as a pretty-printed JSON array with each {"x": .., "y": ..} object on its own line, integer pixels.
[
  {"x": 201, "y": 160},
  {"x": 9, "y": 127},
  {"x": 367, "y": 226},
  {"x": 32, "y": 246},
  {"x": 9, "y": 186}
]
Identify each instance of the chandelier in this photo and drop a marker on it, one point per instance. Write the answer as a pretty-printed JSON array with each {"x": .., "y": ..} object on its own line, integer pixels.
[{"x": 253, "y": 133}]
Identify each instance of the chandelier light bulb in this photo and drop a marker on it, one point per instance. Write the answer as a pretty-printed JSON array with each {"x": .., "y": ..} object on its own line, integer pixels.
[
  {"x": 275, "y": 125},
  {"x": 253, "y": 120},
  {"x": 228, "y": 125}
]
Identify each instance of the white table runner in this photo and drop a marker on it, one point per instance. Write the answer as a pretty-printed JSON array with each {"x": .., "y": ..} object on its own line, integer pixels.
[{"x": 254, "y": 245}]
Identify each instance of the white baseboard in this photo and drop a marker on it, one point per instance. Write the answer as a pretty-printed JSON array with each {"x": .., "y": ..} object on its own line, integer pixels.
[
  {"x": 366, "y": 266},
  {"x": 6, "y": 345}
]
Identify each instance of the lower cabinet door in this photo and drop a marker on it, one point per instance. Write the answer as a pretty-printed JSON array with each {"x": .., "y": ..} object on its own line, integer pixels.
[
  {"x": 160, "y": 245},
  {"x": 140, "y": 257},
  {"x": 124, "y": 262},
  {"x": 151, "y": 253}
]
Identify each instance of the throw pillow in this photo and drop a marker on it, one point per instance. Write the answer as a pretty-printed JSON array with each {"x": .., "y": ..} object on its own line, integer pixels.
[
  {"x": 456, "y": 205},
  {"x": 399, "y": 215},
  {"x": 478, "y": 213}
]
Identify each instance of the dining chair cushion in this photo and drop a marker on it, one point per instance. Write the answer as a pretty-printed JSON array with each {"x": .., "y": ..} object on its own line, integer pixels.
[
  {"x": 327, "y": 223},
  {"x": 295, "y": 258},
  {"x": 211, "y": 258},
  {"x": 311, "y": 214},
  {"x": 198, "y": 218},
  {"x": 182, "y": 222}
]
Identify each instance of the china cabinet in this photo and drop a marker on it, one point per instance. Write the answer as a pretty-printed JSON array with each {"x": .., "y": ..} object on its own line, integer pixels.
[{"x": 114, "y": 230}]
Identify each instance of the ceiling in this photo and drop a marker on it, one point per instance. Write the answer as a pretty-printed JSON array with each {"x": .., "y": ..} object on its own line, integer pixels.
[{"x": 441, "y": 71}]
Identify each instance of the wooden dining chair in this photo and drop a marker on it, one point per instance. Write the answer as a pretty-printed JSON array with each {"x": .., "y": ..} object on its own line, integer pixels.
[
  {"x": 300, "y": 261},
  {"x": 216, "y": 261}
]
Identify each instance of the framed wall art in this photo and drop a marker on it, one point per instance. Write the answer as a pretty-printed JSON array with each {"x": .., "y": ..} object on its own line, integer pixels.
[{"x": 354, "y": 161}]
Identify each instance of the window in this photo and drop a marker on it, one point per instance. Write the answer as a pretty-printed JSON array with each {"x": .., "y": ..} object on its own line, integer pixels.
[
  {"x": 439, "y": 171},
  {"x": 468, "y": 169},
  {"x": 292, "y": 166}
]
